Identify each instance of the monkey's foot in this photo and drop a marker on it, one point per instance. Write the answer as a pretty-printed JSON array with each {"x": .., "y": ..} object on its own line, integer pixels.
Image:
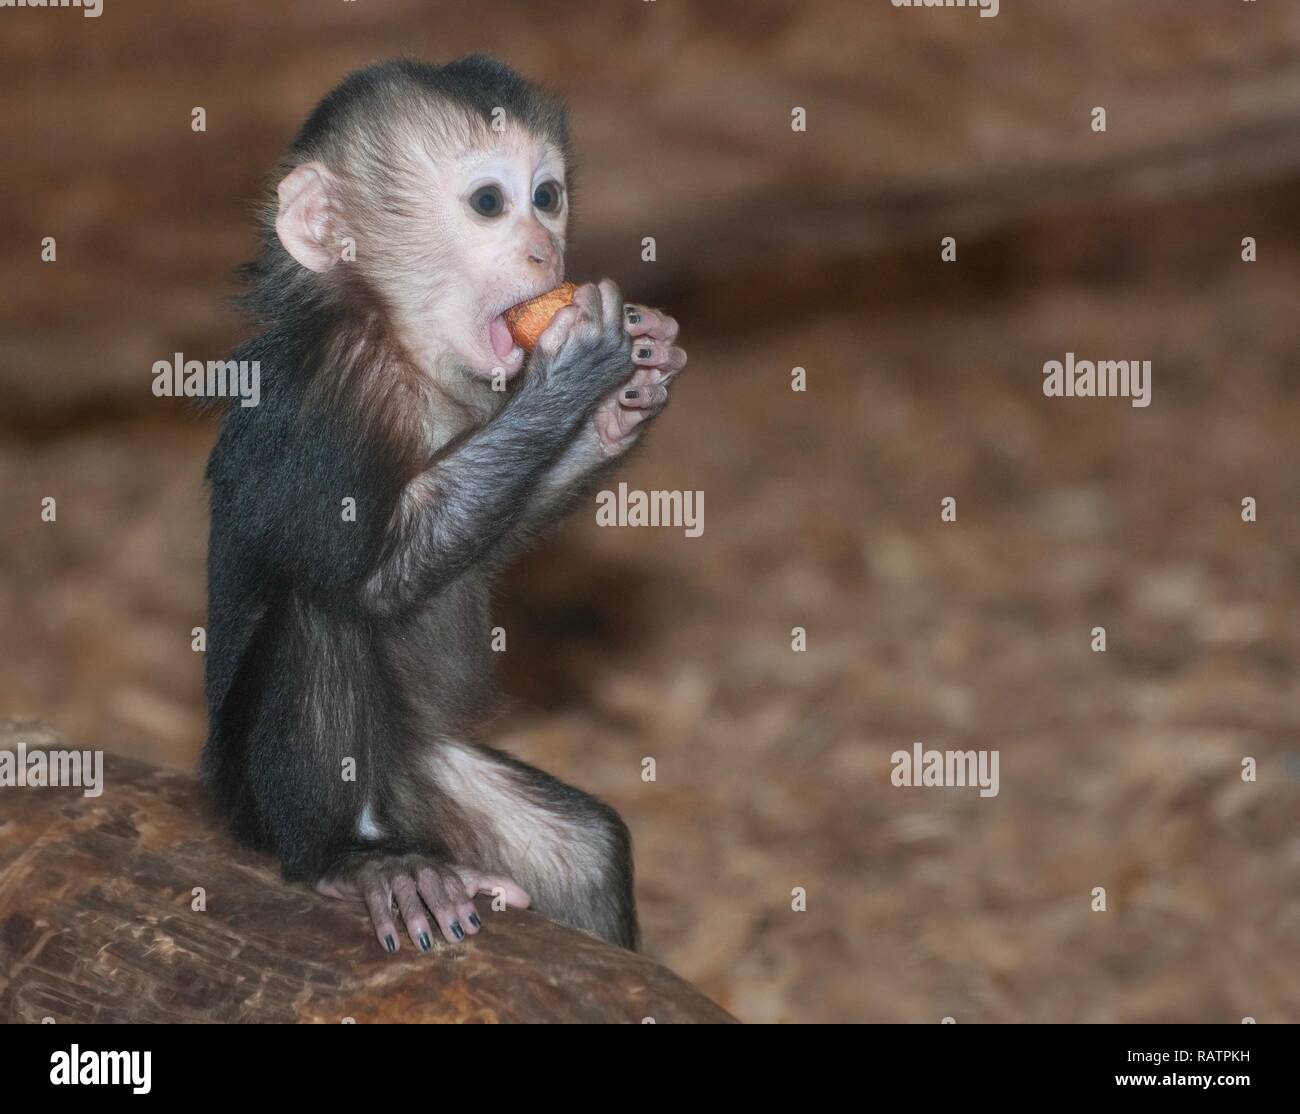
[{"x": 419, "y": 886}]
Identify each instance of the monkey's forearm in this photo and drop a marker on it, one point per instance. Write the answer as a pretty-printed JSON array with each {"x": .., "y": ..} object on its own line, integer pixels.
[
  {"x": 456, "y": 511},
  {"x": 577, "y": 470},
  {"x": 575, "y": 474}
]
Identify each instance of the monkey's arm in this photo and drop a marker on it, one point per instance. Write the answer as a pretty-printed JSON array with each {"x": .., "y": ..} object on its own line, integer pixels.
[
  {"x": 455, "y": 513},
  {"x": 576, "y": 473},
  {"x": 615, "y": 428}
]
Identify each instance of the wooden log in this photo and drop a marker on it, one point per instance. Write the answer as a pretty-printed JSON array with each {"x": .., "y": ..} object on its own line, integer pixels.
[{"x": 98, "y": 924}]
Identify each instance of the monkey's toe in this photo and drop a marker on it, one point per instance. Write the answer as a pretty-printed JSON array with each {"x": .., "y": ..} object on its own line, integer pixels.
[
  {"x": 454, "y": 921},
  {"x": 407, "y": 896},
  {"x": 379, "y": 902}
]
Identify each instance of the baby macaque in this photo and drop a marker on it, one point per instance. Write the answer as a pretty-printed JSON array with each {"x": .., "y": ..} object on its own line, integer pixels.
[{"x": 404, "y": 450}]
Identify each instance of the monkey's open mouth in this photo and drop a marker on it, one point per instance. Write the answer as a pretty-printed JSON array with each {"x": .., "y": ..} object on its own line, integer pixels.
[{"x": 502, "y": 342}]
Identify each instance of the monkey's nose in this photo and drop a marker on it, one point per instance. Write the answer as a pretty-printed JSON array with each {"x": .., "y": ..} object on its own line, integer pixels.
[{"x": 538, "y": 254}]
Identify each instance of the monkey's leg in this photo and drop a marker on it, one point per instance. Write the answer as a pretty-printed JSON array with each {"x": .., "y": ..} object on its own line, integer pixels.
[{"x": 571, "y": 852}]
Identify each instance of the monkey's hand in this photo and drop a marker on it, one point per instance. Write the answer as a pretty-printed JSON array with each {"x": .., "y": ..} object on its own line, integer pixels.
[
  {"x": 420, "y": 886},
  {"x": 657, "y": 359},
  {"x": 585, "y": 352},
  {"x": 637, "y": 355}
]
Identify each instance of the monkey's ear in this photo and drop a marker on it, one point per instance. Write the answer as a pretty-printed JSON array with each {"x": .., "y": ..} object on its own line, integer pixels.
[{"x": 303, "y": 222}]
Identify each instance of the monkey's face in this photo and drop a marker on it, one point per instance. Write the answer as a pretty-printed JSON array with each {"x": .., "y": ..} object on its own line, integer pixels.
[
  {"x": 500, "y": 213},
  {"x": 450, "y": 234}
]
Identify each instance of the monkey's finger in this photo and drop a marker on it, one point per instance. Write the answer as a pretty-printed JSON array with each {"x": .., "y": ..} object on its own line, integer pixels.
[
  {"x": 412, "y": 910},
  {"x": 647, "y": 352},
  {"x": 617, "y": 427},
  {"x": 476, "y": 883},
  {"x": 674, "y": 360},
  {"x": 641, "y": 376},
  {"x": 651, "y": 396},
  {"x": 611, "y": 301},
  {"x": 379, "y": 900},
  {"x": 588, "y": 299},
  {"x": 558, "y": 331},
  {"x": 642, "y": 321}
]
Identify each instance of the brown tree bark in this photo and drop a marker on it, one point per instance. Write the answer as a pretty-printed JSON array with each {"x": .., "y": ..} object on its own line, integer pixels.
[{"x": 98, "y": 924}]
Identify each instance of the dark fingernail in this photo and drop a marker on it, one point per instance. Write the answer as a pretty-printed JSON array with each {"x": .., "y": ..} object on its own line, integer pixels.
[
  {"x": 643, "y": 353},
  {"x": 634, "y": 318},
  {"x": 634, "y": 393},
  {"x": 473, "y": 919},
  {"x": 425, "y": 942},
  {"x": 390, "y": 943},
  {"x": 457, "y": 931}
]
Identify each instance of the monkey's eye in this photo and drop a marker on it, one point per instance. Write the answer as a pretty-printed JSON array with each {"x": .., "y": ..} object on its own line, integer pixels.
[
  {"x": 487, "y": 201},
  {"x": 548, "y": 196}
]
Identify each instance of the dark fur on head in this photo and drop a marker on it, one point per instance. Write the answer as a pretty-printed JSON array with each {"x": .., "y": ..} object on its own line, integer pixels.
[{"x": 357, "y": 130}]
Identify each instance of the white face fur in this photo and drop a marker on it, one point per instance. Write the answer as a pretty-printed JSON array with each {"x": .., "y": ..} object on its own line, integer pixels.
[
  {"x": 473, "y": 232},
  {"x": 503, "y": 213}
]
